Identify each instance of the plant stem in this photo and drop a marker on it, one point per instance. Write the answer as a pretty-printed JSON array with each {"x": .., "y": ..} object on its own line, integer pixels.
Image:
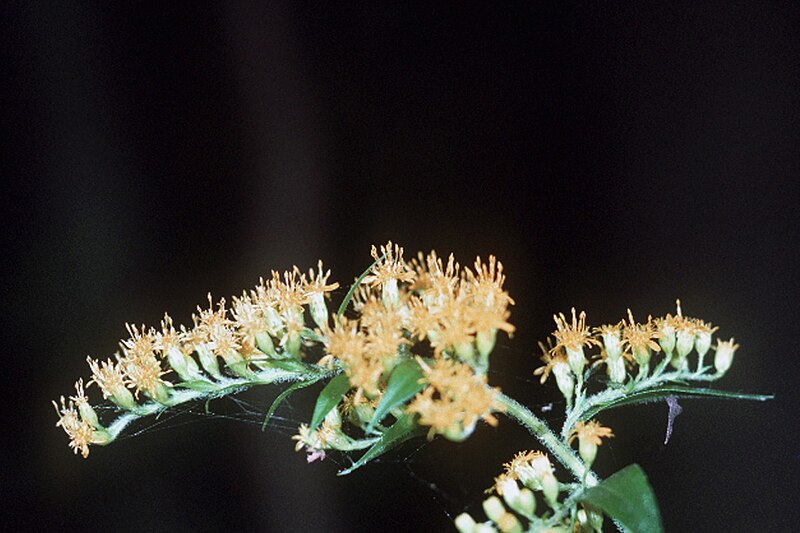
[{"x": 539, "y": 428}]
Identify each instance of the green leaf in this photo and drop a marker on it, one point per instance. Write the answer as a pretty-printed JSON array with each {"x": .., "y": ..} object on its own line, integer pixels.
[
  {"x": 404, "y": 383},
  {"x": 628, "y": 499},
  {"x": 329, "y": 398},
  {"x": 359, "y": 279},
  {"x": 285, "y": 394},
  {"x": 403, "y": 429},
  {"x": 661, "y": 393}
]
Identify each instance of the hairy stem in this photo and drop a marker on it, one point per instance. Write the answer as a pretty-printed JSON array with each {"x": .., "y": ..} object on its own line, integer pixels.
[{"x": 539, "y": 428}]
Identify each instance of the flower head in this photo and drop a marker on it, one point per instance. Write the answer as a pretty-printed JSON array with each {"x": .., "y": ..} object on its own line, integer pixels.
[
  {"x": 454, "y": 399},
  {"x": 81, "y": 432},
  {"x": 111, "y": 379},
  {"x": 572, "y": 337},
  {"x": 590, "y": 435},
  {"x": 641, "y": 339},
  {"x": 724, "y": 355}
]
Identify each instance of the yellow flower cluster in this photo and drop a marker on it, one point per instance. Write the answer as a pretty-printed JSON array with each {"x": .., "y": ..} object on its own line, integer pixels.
[
  {"x": 623, "y": 345},
  {"x": 401, "y": 310},
  {"x": 454, "y": 399}
]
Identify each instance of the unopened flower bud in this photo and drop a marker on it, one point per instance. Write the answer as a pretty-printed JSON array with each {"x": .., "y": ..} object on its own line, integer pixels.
[
  {"x": 521, "y": 501},
  {"x": 101, "y": 437},
  {"x": 493, "y": 508},
  {"x": 510, "y": 491},
  {"x": 292, "y": 343},
  {"x": 526, "y": 502},
  {"x": 550, "y": 490},
  {"x": 595, "y": 518},
  {"x": 184, "y": 365},
  {"x": 88, "y": 414},
  {"x": 208, "y": 360},
  {"x": 465, "y": 523},
  {"x": 124, "y": 398},
  {"x": 265, "y": 344},
  {"x": 508, "y": 523},
  {"x": 544, "y": 478}
]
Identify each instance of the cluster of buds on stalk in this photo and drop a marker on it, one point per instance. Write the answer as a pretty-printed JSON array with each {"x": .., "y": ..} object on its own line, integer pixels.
[
  {"x": 631, "y": 351},
  {"x": 513, "y": 507}
]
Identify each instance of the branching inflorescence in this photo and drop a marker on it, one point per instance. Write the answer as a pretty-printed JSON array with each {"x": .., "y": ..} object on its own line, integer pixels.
[{"x": 411, "y": 358}]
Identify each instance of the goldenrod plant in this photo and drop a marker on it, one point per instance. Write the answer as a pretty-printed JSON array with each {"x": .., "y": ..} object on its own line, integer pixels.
[{"x": 406, "y": 355}]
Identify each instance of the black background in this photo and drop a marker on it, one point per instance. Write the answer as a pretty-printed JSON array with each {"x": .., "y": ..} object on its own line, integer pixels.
[{"x": 611, "y": 155}]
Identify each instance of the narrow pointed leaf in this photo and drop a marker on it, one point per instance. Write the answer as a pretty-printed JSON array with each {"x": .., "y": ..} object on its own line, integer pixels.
[
  {"x": 285, "y": 394},
  {"x": 663, "y": 392},
  {"x": 329, "y": 398},
  {"x": 404, "y": 383},
  {"x": 356, "y": 283},
  {"x": 403, "y": 429},
  {"x": 628, "y": 499}
]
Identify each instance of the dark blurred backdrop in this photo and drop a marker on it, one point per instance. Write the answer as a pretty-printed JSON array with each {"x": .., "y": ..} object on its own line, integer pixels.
[{"x": 610, "y": 154}]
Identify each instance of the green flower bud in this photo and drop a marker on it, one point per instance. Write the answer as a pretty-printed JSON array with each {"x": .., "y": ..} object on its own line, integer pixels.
[
  {"x": 508, "y": 523},
  {"x": 595, "y": 518},
  {"x": 292, "y": 344},
  {"x": 493, "y": 508},
  {"x": 184, "y": 365},
  {"x": 265, "y": 344},
  {"x": 550, "y": 490},
  {"x": 208, "y": 360},
  {"x": 521, "y": 501},
  {"x": 88, "y": 414},
  {"x": 465, "y": 523},
  {"x": 101, "y": 437},
  {"x": 123, "y": 397},
  {"x": 159, "y": 393}
]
